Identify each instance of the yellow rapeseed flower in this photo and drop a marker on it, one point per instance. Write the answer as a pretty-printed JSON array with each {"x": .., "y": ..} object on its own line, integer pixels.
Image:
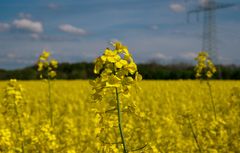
[
  {"x": 54, "y": 63},
  {"x": 47, "y": 66},
  {"x": 205, "y": 67},
  {"x": 45, "y": 54},
  {"x": 115, "y": 68}
]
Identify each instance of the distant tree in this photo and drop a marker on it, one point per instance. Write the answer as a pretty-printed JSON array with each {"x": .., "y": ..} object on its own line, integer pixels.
[{"x": 152, "y": 71}]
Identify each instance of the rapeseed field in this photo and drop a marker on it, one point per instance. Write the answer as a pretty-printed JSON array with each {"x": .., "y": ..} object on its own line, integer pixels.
[{"x": 118, "y": 112}]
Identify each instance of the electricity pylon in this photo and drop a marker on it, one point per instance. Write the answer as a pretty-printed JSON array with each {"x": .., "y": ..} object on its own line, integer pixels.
[{"x": 209, "y": 7}]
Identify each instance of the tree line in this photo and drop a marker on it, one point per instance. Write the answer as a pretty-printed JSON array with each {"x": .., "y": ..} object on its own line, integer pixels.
[{"x": 149, "y": 71}]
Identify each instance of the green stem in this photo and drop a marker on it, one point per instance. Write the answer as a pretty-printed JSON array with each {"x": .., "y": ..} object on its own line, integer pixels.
[
  {"x": 194, "y": 135},
  {"x": 19, "y": 125},
  {"x": 50, "y": 106},
  {"x": 120, "y": 123},
  {"x": 50, "y": 103},
  {"x": 213, "y": 104}
]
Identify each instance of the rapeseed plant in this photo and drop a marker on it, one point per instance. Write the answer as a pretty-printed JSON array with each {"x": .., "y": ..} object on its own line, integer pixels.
[
  {"x": 47, "y": 68},
  {"x": 117, "y": 73},
  {"x": 204, "y": 67},
  {"x": 204, "y": 71},
  {"x": 13, "y": 110}
]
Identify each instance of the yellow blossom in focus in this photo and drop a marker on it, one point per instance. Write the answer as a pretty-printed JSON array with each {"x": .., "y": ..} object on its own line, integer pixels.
[{"x": 115, "y": 68}]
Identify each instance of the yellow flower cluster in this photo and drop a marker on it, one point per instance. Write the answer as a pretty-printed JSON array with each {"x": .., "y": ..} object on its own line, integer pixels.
[
  {"x": 46, "y": 66},
  {"x": 5, "y": 140},
  {"x": 13, "y": 92},
  {"x": 116, "y": 68},
  {"x": 205, "y": 67},
  {"x": 12, "y": 109},
  {"x": 177, "y": 120},
  {"x": 46, "y": 135}
]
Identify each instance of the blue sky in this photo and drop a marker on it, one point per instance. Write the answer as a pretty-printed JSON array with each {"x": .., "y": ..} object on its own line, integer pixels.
[{"x": 79, "y": 30}]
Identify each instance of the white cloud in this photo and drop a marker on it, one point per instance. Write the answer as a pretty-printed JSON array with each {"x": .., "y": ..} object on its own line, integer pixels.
[
  {"x": 4, "y": 27},
  {"x": 11, "y": 56},
  {"x": 24, "y": 15},
  {"x": 71, "y": 29},
  {"x": 160, "y": 56},
  {"x": 225, "y": 60},
  {"x": 28, "y": 25},
  {"x": 204, "y": 3},
  {"x": 113, "y": 40},
  {"x": 35, "y": 36},
  {"x": 237, "y": 7},
  {"x": 53, "y": 6},
  {"x": 154, "y": 27},
  {"x": 189, "y": 55},
  {"x": 177, "y": 7}
]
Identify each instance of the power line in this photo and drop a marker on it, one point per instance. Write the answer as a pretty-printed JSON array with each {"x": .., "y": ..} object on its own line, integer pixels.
[{"x": 209, "y": 8}]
